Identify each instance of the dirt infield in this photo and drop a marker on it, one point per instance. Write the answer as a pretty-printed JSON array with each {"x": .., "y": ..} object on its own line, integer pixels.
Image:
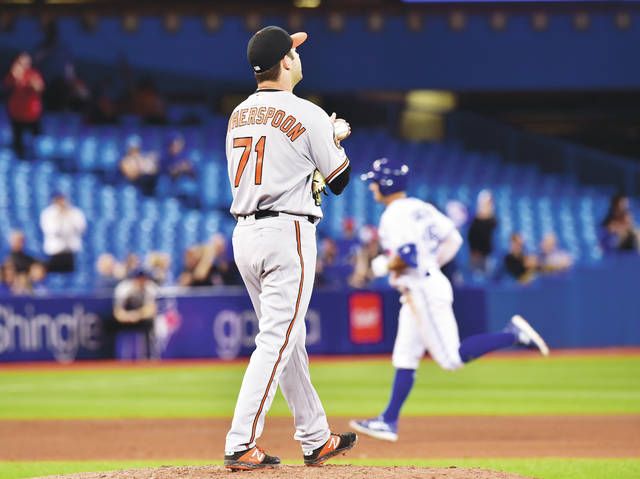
[
  {"x": 420, "y": 437},
  {"x": 326, "y": 472}
]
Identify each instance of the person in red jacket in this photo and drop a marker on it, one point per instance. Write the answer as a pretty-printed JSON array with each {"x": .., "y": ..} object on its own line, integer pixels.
[{"x": 25, "y": 102}]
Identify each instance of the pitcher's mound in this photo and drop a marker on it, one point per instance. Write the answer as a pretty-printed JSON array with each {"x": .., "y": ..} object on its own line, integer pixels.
[{"x": 297, "y": 472}]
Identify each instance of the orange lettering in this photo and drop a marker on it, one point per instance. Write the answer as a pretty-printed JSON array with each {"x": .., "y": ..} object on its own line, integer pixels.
[
  {"x": 287, "y": 123},
  {"x": 277, "y": 119},
  {"x": 296, "y": 131},
  {"x": 270, "y": 112},
  {"x": 243, "y": 117},
  {"x": 261, "y": 112},
  {"x": 233, "y": 121},
  {"x": 252, "y": 115}
]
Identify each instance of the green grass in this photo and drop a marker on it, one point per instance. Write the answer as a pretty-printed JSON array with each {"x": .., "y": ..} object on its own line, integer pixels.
[
  {"x": 521, "y": 386},
  {"x": 547, "y": 468}
]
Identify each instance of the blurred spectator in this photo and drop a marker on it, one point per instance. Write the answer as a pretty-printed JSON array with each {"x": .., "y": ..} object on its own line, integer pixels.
[
  {"x": 348, "y": 244},
  {"x": 78, "y": 95},
  {"x": 369, "y": 248},
  {"x": 159, "y": 266},
  {"x": 618, "y": 231},
  {"x": 329, "y": 251},
  {"x": 26, "y": 275},
  {"x": 5, "y": 290},
  {"x": 25, "y": 103},
  {"x": 140, "y": 168},
  {"x": 110, "y": 272},
  {"x": 223, "y": 270},
  {"x": 37, "y": 279},
  {"x": 175, "y": 161},
  {"x": 326, "y": 264},
  {"x": 135, "y": 308},
  {"x": 63, "y": 226},
  {"x": 8, "y": 276},
  {"x": 20, "y": 260},
  {"x": 131, "y": 263},
  {"x": 191, "y": 259},
  {"x": 209, "y": 265},
  {"x": 551, "y": 258},
  {"x": 147, "y": 102},
  {"x": 457, "y": 212},
  {"x": 66, "y": 90},
  {"x": 103, "y": 107},
  {"x": 52, "y": 57},
  {"x": 481, "y": 232},
  {"x": 18, "y": 283},
  {"x": 334, "y": 270},
  {"x": 518, "y": 265}
]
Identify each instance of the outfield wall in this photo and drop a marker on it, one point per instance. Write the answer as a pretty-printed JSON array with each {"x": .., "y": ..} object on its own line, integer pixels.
[{"x": 592, "y": 306}]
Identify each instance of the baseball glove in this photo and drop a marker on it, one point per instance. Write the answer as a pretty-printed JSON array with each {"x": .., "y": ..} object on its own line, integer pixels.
[{"x": 318, "y": 186}]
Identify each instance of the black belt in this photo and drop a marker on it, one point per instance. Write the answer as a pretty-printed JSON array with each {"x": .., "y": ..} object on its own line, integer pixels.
[{"x": 260, "y": 214}]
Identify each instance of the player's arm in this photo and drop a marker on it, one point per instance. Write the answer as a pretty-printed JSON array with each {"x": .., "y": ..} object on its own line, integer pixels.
[
  {"x": 326, "y": 152},
  {"x": 341, "y": 130},
  {"x": 383, "y": 264},
  {"x": 449, "y": 247},
  {"x": 405, "y": 257},
  {"x": 444, "y": 231},
  {"x": 340, "y": 182}
]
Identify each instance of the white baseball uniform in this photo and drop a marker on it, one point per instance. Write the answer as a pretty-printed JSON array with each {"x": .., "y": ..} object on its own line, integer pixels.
[
  {"x": 275, "y": 141},
  {"x": 426, "y": 321}
]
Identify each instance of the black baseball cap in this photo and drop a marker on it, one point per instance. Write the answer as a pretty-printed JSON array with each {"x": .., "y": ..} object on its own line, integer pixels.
[{"x": 269, "y": 45}]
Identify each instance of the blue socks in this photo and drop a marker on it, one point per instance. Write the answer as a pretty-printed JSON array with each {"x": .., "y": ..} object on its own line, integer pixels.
[
  {"x": 402, "y": 385},
  {"x": 475, "y": 346},
  {"x": 471, "y": 348}
]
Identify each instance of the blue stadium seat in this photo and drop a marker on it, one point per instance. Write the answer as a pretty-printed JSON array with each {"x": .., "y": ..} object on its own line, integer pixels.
[{"x": 82, "y": 161}]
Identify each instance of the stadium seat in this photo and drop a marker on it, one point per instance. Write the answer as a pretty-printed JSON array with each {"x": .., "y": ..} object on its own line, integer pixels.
[{"x": 82, "y": 161}]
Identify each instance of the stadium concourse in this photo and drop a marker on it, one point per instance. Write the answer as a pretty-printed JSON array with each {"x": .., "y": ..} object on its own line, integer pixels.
[{"x": 82, "y": 161}]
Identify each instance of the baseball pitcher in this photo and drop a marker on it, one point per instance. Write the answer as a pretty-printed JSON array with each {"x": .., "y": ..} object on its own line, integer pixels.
[
  {"x": 419, "y": 240},
  {"x": 282, "y": 151}
]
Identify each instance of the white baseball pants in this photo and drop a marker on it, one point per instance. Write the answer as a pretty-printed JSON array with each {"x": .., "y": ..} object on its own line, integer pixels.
[
  {"x": 277, "y": 260},
  {"x": 427, "y": 323}
]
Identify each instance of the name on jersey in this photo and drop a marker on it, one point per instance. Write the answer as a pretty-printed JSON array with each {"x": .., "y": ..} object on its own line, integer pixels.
[{"x": 288, "y": 124}]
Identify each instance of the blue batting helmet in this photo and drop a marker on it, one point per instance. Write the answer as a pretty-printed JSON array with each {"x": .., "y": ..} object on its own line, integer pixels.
[{"x": 390, "y": 175}]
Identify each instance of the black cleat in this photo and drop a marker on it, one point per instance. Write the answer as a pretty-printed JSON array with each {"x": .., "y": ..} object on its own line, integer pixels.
[
  {"x": 250, "y": 459},
  {"x": 336, "y": 445}
]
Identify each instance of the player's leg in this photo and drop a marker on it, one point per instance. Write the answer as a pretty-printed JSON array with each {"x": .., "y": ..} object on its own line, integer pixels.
[
  {"x": 408, "y": 350},
  {"x": 433, "y": 299},
  {"x": 430, "y": 302},
  {"x": 478, "y": 345},
  {"x": 285, "y": 283},
  {"x": 518, "y": 332},
  {"x": 312, "y": 428}
]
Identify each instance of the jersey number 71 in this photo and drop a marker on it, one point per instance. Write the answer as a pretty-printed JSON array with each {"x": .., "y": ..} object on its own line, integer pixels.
[{"x": 246, "y": 142}]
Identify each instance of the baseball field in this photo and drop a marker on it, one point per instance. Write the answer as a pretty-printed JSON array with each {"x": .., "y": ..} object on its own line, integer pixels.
[{"x": 572, "y": 415}]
